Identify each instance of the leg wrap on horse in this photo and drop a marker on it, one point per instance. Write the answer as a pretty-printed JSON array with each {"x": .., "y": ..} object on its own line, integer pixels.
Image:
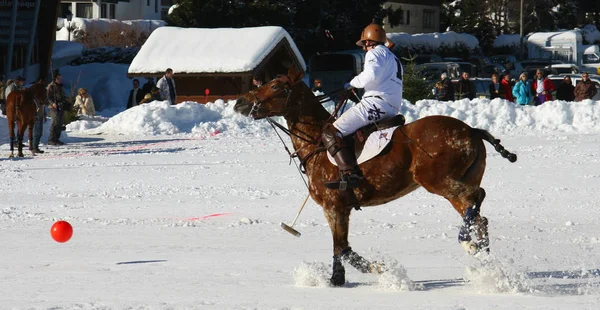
[
  {"x": 468, "y": 224},
  {"x": 338, "y": 276},
  {"x": 344, "y": 156},
  {"x": 357, "y": 261}
]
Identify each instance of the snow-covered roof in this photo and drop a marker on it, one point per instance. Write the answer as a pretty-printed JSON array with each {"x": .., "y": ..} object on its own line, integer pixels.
[
  {"x": 432, "y": 40},
  {"x": 208, "y": 50},
  {"x": 542, "y": 37}
]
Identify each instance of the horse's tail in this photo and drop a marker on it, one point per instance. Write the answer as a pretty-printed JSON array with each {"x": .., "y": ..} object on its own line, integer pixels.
[{"x": 484, "y": 135}]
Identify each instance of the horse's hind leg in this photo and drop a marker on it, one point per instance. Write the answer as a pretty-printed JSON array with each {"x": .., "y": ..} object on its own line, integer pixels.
[
  {"x": 11, "y": 132},
  {"x": 20, "y": 134}
]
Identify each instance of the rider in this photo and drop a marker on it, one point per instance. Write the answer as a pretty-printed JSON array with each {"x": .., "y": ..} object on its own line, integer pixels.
[{"x": 382, "y": 81}]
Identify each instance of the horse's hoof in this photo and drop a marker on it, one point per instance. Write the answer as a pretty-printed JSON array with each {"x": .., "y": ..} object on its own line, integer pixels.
[
  {"x": 338, "y": 279},
  {"x": 376, "y": 267},
  {"x": 11, "y": 156},
  {"x": 21, "y": 155},
  {"x": 470, "y": 247}
]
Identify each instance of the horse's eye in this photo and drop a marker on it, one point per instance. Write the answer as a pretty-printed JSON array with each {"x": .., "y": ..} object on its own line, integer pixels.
[{"x": 274, "y": 87}]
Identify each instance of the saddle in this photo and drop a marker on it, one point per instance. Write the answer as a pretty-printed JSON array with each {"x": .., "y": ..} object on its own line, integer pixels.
[{"x": 360, "y": 136}]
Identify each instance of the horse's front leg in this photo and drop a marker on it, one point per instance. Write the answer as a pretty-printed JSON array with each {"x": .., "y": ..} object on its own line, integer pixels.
[
  {"x": 338, "y": 217},
  {"x": 31, "y": 146},
  {"x": 20, "y": 134},
  {"x": 474, "y": 223}
]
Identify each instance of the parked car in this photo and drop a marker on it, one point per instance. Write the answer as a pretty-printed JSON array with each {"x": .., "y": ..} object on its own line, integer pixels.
[
  {"x": 488, "y": 70},
  {"x": 510, "y": 63},
  {"x": 540, "y": 63},
  {"x": 433, "y": 71},
  {"x": 481, "y": 62},
  {"x": 421, "y": 59},
  {"x": 482, "y": 87},
  {"x": 576, "y": 78},
  {"x": 564, "y": 68},
  {"x": 531, "y": 70}
]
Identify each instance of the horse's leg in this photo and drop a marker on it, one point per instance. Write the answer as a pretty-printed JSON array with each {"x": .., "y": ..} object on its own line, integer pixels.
[
  {"x": 30, "y": 129},
  {"x": 338, "y": 217},
  {"x": 20, "y": 134},
  {"x": 459, "y": 184},
  {"x": 11, "y": 132}
]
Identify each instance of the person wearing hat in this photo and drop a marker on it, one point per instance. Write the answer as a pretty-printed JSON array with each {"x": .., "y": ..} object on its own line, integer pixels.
[
  {"x": 16, "y": 84},
  {"x": 382, "y": 82}
]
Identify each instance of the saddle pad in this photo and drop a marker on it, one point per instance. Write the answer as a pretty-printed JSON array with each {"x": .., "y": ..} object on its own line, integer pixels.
[{"x": 375, "y": 143}]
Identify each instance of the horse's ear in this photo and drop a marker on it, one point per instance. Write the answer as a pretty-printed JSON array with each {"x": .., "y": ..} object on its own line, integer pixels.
[{"x": 295, "y": 74}]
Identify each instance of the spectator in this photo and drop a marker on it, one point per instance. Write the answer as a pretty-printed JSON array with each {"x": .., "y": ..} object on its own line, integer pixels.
[
  {"x": 522, "y": 90},
  {"x": 497, "y": 89},
  {"x": 166, "y": 86},
  {"x": 135, "y": 95},
  {"x": 154, "y": 95},
  {"x": 566, "y": 90},
  {"x": 507, "y": 87},
  {"x": 38, "y": 125},
  {"x": 257, "y": 82},
  {"x": 2, "y": 98},
  {"x": 56, "y": 105},
  {"x": 147, "y": 88},
  {"x": 466, "y": 89},
  {"x": 585, "y": 89},
  {"x": 84, "y": 103},
  {"x": 317, "y": 87},
  {"x": 444, "y": 90},
  {"x": 542, "y": 87},
  {"x": 16, "y": 84}
]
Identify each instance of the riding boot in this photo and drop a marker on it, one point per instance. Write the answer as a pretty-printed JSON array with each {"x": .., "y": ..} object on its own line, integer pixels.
[{"x": 344, "y": 156}]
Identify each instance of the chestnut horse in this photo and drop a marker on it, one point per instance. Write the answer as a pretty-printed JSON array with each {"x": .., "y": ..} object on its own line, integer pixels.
[
  {"x": 440, "y": 153},
  {"x": 21, "y": 108}
]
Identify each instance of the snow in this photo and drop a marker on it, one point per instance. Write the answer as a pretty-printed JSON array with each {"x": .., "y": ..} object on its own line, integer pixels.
[
  {"x": 215, "y": 49},
  {"x": 65, "y": 49},
  {"x": 179, "y": 207},
  {"x": 433, "y": 40},
  {"x": 100, "y": 26}
]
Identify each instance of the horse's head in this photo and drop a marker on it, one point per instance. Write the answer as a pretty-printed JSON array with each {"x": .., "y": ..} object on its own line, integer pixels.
[
  {"x": 38, "y": 92},
  {"x": 271, "y": 99}
]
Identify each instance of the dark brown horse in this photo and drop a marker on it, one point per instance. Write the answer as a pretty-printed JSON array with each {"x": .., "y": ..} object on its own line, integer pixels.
[
  {"x": 440, "y": 153},
  {"x": 21, "y": 109}
]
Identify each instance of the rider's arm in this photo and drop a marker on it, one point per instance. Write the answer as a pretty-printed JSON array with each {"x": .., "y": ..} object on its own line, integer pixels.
[{"x": 370, "y": 72}]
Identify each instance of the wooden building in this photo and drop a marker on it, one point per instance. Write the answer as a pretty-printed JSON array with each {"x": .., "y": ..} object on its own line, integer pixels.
[{"x": 220, "y": 62}]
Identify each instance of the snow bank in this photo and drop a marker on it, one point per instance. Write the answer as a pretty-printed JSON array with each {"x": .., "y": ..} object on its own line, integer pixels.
[{"x": 497, "y": 116}]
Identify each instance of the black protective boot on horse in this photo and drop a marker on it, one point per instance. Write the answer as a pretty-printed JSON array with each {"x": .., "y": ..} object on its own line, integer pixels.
[{"x": 343, "y": 153}]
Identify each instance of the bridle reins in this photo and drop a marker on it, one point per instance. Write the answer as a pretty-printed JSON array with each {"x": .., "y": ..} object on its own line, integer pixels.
[{"x": 310, "y": 140}]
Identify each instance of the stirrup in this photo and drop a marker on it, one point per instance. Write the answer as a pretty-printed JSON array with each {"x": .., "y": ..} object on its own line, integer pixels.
[{"x": 347, "y": 181}]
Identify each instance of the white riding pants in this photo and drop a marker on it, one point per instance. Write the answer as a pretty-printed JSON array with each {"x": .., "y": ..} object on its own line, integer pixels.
[{"x": 369, "y": 110}]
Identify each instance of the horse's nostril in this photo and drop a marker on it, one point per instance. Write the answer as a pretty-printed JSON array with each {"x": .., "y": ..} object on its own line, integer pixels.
[{"x": 240, "y": 105}]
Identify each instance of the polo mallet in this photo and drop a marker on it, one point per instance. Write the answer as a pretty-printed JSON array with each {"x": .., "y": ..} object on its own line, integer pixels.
[{"x": 289, "y": 228}]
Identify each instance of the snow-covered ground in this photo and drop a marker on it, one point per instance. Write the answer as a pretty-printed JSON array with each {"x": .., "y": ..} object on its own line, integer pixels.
[{"x": 179, "y": 207}]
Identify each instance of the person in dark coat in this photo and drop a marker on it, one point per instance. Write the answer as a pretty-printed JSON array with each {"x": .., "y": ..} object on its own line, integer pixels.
[
  {"x": 566, "y": 90},
  {"x": 444, "y": 89},
  {"x": 465, "y": 88},
  {"x": 585, "y": 88},
  {"x": 497, "y": 89},
  {"x": 56, "y": 108},
  {"x": 135, "y": 95},
  {"x": 147, "y": 88}
]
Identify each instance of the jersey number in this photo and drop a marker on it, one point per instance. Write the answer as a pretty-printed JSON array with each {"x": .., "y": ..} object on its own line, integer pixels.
[{"x": 399, "y": 73}]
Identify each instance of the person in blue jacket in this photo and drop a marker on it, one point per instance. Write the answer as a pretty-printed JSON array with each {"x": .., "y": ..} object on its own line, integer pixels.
[{"x": 522, "y": 90}]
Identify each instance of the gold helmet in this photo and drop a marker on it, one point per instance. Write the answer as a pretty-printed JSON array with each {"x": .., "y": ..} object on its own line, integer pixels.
[{"x": 373, "y": 32}]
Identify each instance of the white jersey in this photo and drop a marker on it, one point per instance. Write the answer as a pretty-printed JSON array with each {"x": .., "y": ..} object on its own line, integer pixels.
[{"x": 382, "y": 76}]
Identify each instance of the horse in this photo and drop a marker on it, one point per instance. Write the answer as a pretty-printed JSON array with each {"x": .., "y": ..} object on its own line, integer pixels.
[
  {"x": 442, "y": 154},
  {"x": 21, "y": 108}
]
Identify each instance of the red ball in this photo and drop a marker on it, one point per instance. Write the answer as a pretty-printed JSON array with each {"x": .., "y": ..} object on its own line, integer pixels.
[{"x": 61, "y": 231}]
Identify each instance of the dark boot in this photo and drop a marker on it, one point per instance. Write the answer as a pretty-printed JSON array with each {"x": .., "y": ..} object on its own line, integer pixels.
[{"x": 345, "y": 158}]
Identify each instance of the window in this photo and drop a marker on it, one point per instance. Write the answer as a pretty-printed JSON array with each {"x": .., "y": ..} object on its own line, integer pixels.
[
  {"x": 113, "y": 11},
  {"x": 103, "y": 8},
  {"x": 408, "y": 17},
  {"x": 155, "y": 6},
  {"x": 429, "y": 19},
  {"x": 147, "y": 2},
  {"x": 166, "y": 2},
  {"x": 84, "y": 10},
  {"x": 65, "y": 8}
]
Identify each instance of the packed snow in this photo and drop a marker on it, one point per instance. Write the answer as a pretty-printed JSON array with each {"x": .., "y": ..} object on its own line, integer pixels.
[{"x": 179, "y": 207}]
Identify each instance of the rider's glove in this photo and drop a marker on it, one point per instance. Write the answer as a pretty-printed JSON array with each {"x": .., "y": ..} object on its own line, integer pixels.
[{"x": 347, "y": 86}]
